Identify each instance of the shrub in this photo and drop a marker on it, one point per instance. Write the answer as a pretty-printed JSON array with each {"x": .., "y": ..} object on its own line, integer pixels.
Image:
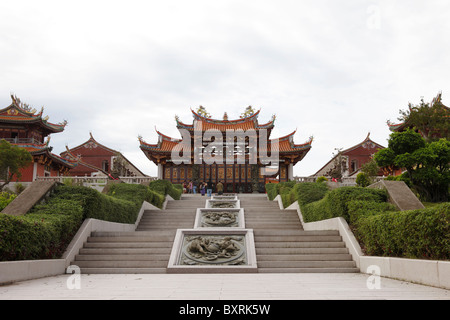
[
  {"x": 334, "y": 203},
  {"x": 304, "y": 192},
  {"x": 40, "y": 235},
  {"x": 165, "y": 187},
  {"x": 422, "y": 233},
  {"x": 46, "y": 231},
  {"x": 360, "y": 208},
  {"x": 99, "y": 206},
  {"x": 362, "y": 179},
  {"x": 6, "y": 198},
  {"x": 136, "y": 193},
  {"x": 272, "y": 191},
  {"x": 321, "y": 179},
  {"x": 307, "y": 192},
  {"x": 284, "y": 190}
]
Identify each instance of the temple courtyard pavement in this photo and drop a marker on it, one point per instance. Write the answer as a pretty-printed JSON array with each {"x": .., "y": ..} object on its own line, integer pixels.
[{"x": 301, "y": 286}]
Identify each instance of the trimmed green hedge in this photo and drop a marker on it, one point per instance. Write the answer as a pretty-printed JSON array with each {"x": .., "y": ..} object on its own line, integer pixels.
[
  {"x": 165, "y": 187},
  {"x": 303, "y": 192},
  {"x": 97, "y": 205},
  {"x": 361, "y": 208},
  {"x": 272, "y": 190},
  {"x": 46, "y": 231},
  {"x": 41, "y": 235},
  {"x": 335, "y": 203},
  {"x": 423, "y": 233},
  {"x": 307, "y": 192},
  {"x": 136, "y": 193}
]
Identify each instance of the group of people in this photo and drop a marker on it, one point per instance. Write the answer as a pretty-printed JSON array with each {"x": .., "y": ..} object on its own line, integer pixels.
[{"x": 202, "y": 187}]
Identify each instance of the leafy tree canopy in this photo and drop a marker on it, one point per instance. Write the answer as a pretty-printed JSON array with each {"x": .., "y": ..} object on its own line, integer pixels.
[
  {"x": 426, "y": 163},
  {"x": 12, "y": 159},
  {"x": 431, "y": 119}
]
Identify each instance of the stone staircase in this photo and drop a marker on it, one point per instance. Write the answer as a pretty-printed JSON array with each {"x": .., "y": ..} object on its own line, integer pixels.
[
  {"x": 281, "y": 243},
  {"x": 147, "y": 250},
  {"x": 282, "y": 246}
]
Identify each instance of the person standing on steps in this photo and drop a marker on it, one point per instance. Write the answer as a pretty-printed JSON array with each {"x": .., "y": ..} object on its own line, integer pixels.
[
  {"x": 209, "y": 187},
  {"x": 219, "y": 188},
  {"x": 202, "y": 187}
]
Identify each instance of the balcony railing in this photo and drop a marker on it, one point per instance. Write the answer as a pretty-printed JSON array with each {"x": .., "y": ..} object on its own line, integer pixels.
[{"x": 22, "y": 140}]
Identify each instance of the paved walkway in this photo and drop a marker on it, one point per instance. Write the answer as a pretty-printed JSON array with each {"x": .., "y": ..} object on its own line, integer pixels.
[{"x": 218, "y": 287}]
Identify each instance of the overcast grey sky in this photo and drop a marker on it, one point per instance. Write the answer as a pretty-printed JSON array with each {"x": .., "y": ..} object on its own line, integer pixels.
[{"x": 335, "y": 70}]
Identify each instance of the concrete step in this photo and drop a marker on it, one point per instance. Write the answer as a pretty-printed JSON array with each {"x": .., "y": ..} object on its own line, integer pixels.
[
  {"x": 261, "y": 251},
  {"x": 141, "y": 245},
  {"x": 125, "y": 251},
  {"x": 308, "y": 270},
  {"x": 305, "y": 257},
  {"x": 130, "y": 270},
  {"x": 296, "y": 232},
  {"x": 131, "y": 234},
  {"x": 156, "y": 227},
  {"x": 131, "y": 239},
  {"x": 122, "y": 257},
  {"x": 121, "y": 264},
  {"x": 305, "y": 244},
  {"x": 305, "y": 238},
  {"x": 306, "y": 264}
]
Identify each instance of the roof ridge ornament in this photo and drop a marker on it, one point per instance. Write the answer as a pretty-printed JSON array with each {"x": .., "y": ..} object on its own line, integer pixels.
[
  {"x": 249, "y": 111},
  {"x": 201, "y": 111},
  {"x": 22, "y": 105}
]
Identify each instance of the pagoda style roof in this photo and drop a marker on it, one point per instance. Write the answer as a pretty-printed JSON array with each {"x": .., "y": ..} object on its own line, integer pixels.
[
  {"x": 161, "y": 150},
  {"x": 43, "y": 149},
  {"x": 165, "y": 144},
  {"x": 18, "y": 113},
  {"x": 245, "y": 123}
]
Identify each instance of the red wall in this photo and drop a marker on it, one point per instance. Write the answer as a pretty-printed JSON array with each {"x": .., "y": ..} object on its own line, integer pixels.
[{"x": 361, "y": 155}]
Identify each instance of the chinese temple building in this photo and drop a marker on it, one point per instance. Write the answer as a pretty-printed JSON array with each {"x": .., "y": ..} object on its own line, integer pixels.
[
  {"x": 240, "y": 162},
  {"x": 351, "y": 159},
  {"x": 24, "y": 127},
  {"x": 94, "y": 157}
]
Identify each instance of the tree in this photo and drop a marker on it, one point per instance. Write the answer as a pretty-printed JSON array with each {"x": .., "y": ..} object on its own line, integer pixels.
[
  {"x": 340, "y": 166},
  {"x": 371, "y": 169},
  {"x": 362, "y": 179},
  {"x": 426, "y": 163},
  {"x": 432, "y": 120},
  {"x": 119, "y": 167},
  {"x": 12, "y": 159}
]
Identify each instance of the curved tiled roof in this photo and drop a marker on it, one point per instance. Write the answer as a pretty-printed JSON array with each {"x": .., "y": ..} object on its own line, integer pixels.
[
  {"x": 37, "y": 149},
  {"x": 16, "y": 112}
]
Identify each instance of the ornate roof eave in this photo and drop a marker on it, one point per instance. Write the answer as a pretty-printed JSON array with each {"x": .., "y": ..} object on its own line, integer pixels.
[
  {"x": 30, "y": 116},
  {"x": 395, "y": 126},
  {"x": 44, "y": 150}
]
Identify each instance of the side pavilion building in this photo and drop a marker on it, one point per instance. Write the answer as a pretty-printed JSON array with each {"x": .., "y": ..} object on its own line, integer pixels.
[
  {"x": 239, "y": 152},
  {"x": 94, "y": 157},
  {"x": 28, "y": 129}
]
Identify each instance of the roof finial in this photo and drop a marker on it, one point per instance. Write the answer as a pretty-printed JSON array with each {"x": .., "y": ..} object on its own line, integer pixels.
[
  {"x": 202, "y": 112},
  {"x": 248, "y": 112}
]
